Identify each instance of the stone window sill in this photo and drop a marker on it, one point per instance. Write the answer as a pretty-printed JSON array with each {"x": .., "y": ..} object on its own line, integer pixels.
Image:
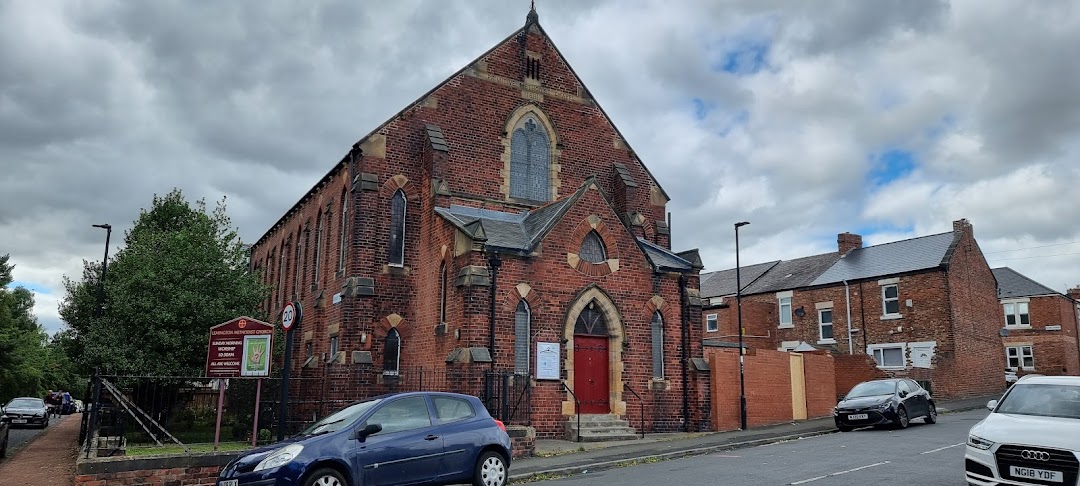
[
  {"x": 892, "y": 317},
  {"x": 786, "y": 326},
  {"x": 827, "y": 341}
]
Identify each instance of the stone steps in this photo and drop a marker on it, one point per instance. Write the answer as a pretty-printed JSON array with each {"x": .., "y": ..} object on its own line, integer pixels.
[{"x": 600, "y": 428}]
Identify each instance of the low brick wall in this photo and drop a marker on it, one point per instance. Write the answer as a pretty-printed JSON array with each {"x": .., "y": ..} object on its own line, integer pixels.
[
  {"x": 172, "y": 470},
  {"x": 522, "y": 440},
  {"x": 819, "y": 369}
]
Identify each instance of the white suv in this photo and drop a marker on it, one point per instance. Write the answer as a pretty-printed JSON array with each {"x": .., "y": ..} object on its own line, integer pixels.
[{"x": 1031, "y": 437}]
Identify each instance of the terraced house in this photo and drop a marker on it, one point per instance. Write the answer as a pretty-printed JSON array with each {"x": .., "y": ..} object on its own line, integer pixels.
[
  {"x": 1040, "y": 324},
  {"x": 924, "y": 308},
  {"x": 498, "y": 236}
]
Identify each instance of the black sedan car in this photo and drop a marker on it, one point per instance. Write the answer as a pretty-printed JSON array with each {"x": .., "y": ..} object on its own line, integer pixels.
[
  {"x": 26, "y": 411},
  {"x": 895, "y": 402}
]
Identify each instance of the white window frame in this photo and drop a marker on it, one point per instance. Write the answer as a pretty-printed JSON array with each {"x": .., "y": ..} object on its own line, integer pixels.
[
  {"x": 1020, "y": 355},
  {"x": 821, "y": 325},
  {"x": 873, "y": 348},
  {"x": 1015, "y": 304},
  {"x": 886, "y": 283},
  {"x": 780, "y": 298},
  {"x": 712, "y": 323}
]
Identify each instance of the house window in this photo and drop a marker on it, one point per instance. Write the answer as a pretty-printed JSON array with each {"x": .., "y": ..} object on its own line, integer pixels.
[
  {"x": 521, "y": 338},
  {"x": 341, "y": 236},
  {"x": 890, "y": 299},
  {"x": 442, "y": 293},
  {"x": 658, "y": 346},
  {"x": 396, "y": 255},
  {"x": 333, "y": 348},
  {"x": 1016, "y": 315},
  {"x": 317, "y": 259},
  {"x": 1020, "y": 357},
  {"x": 592, "y": 248},
  {"x": 391, "y": 352},
  {"x": 785, "y": 312},
  {"x": 529, "y": 161},
  {"x": 711, "y": 324},
  {"x": 888, "y": 355},
  {"x": 825, "y": 326}
]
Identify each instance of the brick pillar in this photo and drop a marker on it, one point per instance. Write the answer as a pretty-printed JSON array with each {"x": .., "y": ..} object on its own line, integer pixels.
[{"x": 1074, "y": 293}]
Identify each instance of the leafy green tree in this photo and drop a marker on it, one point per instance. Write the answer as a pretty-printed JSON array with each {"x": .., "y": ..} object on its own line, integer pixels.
[
  {"x": 182, "y": 270},
  {"x": 28, "y": 364}
]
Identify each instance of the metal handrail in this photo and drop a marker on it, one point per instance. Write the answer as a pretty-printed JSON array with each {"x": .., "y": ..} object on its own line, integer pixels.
[
  {"x": 642, "y": 403},
  {"x": 577, "y": 409}
]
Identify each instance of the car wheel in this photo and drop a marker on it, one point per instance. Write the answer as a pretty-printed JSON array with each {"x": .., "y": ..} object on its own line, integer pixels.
[
  {"x": 844, "y": 428},
  {"x": 931, "y": 416},
  {"x": 902, "y": 419},
  {"x": 325, "y": 477},
  {"x": 490, "y": 470}
]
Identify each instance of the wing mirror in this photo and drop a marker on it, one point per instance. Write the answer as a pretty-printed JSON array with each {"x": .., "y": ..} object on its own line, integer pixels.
[
  {"x": 992, "y": 404},
  {"x": 903, "y": 394},
  {"x": 371, "y": 429}
]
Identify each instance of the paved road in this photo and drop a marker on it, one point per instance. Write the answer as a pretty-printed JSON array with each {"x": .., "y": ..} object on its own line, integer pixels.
[
  {"x": 18, "y": 438},
  {"x": 922, "y": 454}
]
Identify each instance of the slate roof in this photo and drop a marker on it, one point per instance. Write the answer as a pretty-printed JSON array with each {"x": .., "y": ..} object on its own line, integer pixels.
[
  {"x": 793, "y": 274},
  {"x": 662, "y": 259},
  {"x": 1011, "y": 283},
  {"x": 722, "y": 282},
  {"x": 902, "y": 256}
]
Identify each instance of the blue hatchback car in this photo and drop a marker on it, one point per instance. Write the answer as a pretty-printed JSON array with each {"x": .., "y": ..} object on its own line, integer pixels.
[{"x": 406, "y": 438}]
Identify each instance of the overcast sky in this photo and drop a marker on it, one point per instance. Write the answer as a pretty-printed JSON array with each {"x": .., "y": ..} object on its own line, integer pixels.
[{"x": 887, "y": 118}]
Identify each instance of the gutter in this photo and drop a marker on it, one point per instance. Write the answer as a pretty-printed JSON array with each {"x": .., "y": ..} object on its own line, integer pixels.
[{"x": 847, "y": 304}]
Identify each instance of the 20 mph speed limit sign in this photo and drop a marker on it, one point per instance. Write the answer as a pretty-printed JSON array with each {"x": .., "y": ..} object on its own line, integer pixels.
[{"x": 290, "y": 315}]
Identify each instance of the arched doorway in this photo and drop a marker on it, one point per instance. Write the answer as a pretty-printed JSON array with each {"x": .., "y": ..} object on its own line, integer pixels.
[
  {"x": 593, "y": 334},
  {"x": 591, "y": 360}
]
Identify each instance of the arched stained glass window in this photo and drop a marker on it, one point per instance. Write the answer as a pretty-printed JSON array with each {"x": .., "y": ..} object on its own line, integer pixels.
[
  {"x": 658, "y": 345},
  {"x": 591, "y": 321},
  {"x": 397, "y": 229},
  {"x": 530, "y": 161},
  {"x": 522, "y": 344},
  {"x": 392, "y": 352},
  {"x": 592, "y": 248}
]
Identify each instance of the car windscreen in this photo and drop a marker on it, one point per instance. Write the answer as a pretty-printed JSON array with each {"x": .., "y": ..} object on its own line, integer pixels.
[
  {"x": 340, "y": 419},
  {"x": 872, "y": 389},
  {"x": 1042, "y": 399},
  {"x": 26, "y": 403}
]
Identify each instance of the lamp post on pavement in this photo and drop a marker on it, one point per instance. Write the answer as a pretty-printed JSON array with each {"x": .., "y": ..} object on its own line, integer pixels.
[
  {"x": 738, "y": 306},
  {"x": 104, "y": 267}
]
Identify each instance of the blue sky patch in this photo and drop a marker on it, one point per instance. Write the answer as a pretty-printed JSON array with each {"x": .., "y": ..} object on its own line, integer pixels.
[
  {"x": 746, "y": 57},
  {"x": 702, "y": 108},
  {"x": 37, "y": 289},
  {"x": 891, "y": 165}
]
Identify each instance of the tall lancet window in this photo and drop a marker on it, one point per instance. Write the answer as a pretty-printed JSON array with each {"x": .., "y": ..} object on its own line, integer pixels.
[{"x": 530, "y": 161}]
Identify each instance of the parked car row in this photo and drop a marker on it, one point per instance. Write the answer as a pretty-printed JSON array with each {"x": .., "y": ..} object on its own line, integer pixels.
[{"x": 25, "y": 411}]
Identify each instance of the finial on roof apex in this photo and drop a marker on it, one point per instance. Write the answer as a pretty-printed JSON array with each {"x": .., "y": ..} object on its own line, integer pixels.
[{"x": 532, "y": 18}]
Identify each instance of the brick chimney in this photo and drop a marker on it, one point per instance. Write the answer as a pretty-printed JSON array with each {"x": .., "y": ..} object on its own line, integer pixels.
[
  {"x": 963, "y": 226},
  {"x": 1074, "y": 293},
  {"x": 846, "y": 242}
]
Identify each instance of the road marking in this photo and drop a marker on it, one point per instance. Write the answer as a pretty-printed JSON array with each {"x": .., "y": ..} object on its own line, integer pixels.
[
  {"x": 939, "y": 449},
  {"x": 860, "y": 468}
]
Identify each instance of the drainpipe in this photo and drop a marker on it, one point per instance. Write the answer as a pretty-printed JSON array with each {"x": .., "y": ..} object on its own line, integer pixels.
[
  {"x": 862, "y": 315},
  {"x": 685, "y": 350},
  {"x": 847, "y": 303}
]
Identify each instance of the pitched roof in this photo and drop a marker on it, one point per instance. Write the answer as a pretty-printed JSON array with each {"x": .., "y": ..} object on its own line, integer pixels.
[
  {"x": 792, "y": 274},
  {"x": 722, "y": 282},
  {"x": 510, "y": 231},
  {"x": 1011, "y": 283},
  {"x": 893, "y": 258},
  {"x": 662, "y": 259}
]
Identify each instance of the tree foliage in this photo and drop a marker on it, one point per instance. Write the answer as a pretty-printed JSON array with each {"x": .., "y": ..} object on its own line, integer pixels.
[
  {"x": 182, "y": 270},
  {"x": 29, "y": 362}
]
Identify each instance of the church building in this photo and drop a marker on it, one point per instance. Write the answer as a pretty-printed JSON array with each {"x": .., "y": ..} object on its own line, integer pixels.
[{"x": 498, "y": 237}]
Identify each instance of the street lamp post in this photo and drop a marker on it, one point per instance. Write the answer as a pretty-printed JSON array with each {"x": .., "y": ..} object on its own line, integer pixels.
[
  {"x": 738, "y": 306},
  {"x": 104, "y": 267}
]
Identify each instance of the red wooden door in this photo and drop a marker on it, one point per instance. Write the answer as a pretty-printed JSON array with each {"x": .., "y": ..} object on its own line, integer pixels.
[{"x": 591, "y": 373}]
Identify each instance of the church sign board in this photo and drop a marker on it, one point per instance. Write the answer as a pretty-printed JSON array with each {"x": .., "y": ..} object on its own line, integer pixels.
[{"x": 239, "y": 347}]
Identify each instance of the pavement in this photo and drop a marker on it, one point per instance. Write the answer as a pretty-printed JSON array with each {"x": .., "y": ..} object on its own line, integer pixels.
[
  {"x": 556, "y": 458},
  {"x": 47, "y": 459}
]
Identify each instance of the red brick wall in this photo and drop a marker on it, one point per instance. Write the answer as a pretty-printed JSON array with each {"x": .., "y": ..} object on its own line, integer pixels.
[
  {"x": 852, "y": 369},
  {"x": 472, "y": 109},
  {"x": 193, "y": 476},
  {"x": 819, "y": 371},
  {"x": 725, "y": 388},
  {"x": 757, "y": 318},
  {"x": 1056, "y": 352},
  {"x": 975, "y": 364}
]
